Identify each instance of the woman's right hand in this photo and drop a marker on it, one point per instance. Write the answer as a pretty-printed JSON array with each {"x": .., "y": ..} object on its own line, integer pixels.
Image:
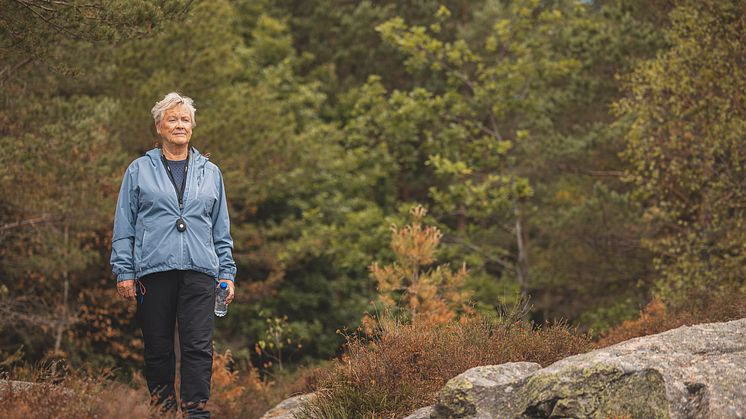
[{"x": 126, "y": 289}]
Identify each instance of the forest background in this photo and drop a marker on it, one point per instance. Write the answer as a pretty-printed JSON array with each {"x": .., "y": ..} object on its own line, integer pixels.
[{"x": 587, "y": 155}]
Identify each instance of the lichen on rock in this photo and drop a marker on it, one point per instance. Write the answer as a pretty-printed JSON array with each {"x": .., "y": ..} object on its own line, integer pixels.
[
  {"x": 598, "y": 391},
  {"x": 484, "y": 392}
]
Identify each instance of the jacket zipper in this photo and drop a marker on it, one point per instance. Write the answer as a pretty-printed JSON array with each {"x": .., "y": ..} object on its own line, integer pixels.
[{"x": 180, "y": 197}]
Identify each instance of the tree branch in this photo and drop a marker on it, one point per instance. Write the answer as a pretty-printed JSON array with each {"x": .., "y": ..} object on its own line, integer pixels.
[
  {"x": 30, "y": 222},
  {"x": 448, "y": 238}
]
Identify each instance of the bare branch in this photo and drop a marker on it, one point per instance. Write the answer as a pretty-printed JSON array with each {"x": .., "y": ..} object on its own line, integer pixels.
[
  {"x": 7, "y": 72},
  {"x": 589, "y": 172},
  {"x": 30, "y": 222},
  {"x": 59, "y": 28},
  {"x": 449, "y": 238}
]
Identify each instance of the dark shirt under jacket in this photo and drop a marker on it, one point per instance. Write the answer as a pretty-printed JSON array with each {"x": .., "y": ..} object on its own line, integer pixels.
[{"x": 177, "y": 171}]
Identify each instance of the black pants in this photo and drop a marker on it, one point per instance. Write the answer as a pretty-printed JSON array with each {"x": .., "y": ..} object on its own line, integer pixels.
[{"x": 188, "y": 296}]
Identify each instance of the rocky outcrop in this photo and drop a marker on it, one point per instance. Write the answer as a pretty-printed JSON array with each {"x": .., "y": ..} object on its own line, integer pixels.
[
  {"x": 13, "y": 385},
  {"x": 689, "y": 372},
  {"x": 484, "y": 392},
  {"x": 288, "y": 407}
]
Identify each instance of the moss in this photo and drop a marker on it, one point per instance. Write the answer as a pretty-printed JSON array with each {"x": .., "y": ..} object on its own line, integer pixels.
[
  {"x": 598, "y": 391},
  {"x": 458, "y": 398},
  {"x": 641, "y": 394}
]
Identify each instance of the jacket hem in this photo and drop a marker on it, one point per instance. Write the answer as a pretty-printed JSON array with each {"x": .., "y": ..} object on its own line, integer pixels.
[{"x": 162, "y": 268}]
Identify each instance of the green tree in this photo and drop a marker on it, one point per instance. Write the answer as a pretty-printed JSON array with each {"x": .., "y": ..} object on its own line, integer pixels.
[
  {"x": 492, "y": 100},
  {"x": 34, "y": 31},
  {"x": 58, "y": 179},
  {"x": 684, "y": 116},
  {"x": 506, "y": 133},
  {"x": 59, "y": 173},
  {"x": 587, "y": 260}
]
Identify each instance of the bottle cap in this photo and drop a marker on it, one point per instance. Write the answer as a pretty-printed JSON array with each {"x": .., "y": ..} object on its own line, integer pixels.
[{"x": 223, "y": 285}]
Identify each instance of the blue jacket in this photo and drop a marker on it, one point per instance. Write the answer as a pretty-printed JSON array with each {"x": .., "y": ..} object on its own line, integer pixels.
[{"x": 145, "y": 238}]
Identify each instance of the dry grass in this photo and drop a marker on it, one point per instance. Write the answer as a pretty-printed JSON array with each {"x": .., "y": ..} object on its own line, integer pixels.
[
  {"x": 697, "y": 309},
  {"x": 247, "y": 394},
  {"x": 403, "y": 368},
  {"x": 53, "y": 391}
]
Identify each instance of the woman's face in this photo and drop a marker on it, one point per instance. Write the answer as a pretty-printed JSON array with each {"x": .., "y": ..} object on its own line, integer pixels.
[{"x": 176, "y": 125}]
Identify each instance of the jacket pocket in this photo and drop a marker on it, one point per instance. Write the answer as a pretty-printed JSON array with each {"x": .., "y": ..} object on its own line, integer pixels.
[
  {"x": 208, "y": 202},
  {"x": 137, "y": 251},
  {"x": 211, "y": 246},
  {"x": 146, "y": 245}
]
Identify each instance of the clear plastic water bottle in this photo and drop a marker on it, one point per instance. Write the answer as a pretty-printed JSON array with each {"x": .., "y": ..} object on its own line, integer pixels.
[{"x": 221, "y": 308}]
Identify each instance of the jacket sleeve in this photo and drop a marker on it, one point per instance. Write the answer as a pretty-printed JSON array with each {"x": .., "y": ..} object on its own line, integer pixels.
[
  {"x": 221, "y": 233},
  {"x": 123, "y": 237}
]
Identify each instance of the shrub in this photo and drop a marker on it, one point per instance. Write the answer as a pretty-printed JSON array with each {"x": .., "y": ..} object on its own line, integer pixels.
[
  {"x": 246, "y": 394},
  {"x": 403, "y": 367},
  {"x": 54, "y": 391},
  {"x": 426, "y": 333},
  {"x": 699, "y": 308},
  {"x": 410, "y": 287}
]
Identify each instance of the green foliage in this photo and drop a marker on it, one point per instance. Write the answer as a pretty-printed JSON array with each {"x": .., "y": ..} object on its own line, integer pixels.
[
  {"x": 330, "y": 120},
  {"x": 58, "y": 175},
  {"x": 279, "y": 337},
  {"x": 684, "y": 117},
  {"x": 501, "y": 121},
  {"x": 35, "y": 31}
]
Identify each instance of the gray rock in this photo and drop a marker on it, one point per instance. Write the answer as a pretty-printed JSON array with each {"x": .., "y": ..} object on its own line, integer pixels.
[
  {"x": 689, "y": 372},
  {"x": 598, "y": 390},
  {"x": 484, "y": 392},
  {"x": 287, "y": 408},
  {"x": 422, "y": 413},
  {"x": 16, "y": 385},
  {"x": 21, "y": 386}
]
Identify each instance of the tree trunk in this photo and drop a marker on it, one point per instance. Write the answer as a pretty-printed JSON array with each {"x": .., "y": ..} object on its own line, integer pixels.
[
  {"x": 63, "y": 320},
  {"x": 522, "y": 264}
]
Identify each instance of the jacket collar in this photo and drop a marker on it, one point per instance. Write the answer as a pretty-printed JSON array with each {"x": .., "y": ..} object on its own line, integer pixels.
[{"x": 195, "y": 158}]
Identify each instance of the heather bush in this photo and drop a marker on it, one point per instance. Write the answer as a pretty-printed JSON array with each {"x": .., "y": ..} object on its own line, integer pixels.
[
  {"x": 52, "y": 390},
  {"x": 404, "y": 366},
  {"x": 246, "y": 393},
  {"x": 425, "y": 334},
  {"x": 55, "y": 390},
  {"x": 658, "y": 317}
]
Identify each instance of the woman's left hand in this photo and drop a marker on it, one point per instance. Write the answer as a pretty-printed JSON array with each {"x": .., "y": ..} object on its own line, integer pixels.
[{"x": 231, "y": 290}]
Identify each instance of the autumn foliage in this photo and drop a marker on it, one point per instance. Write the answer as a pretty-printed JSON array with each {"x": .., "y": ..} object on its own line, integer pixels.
[
  {"x": 657, "y": 317},
  {"x": 55, "y": 390},
  {"x": 410, "y": 288}
]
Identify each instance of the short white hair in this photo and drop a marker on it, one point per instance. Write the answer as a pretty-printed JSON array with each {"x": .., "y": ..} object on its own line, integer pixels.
[{"x": 169, "y": 101}]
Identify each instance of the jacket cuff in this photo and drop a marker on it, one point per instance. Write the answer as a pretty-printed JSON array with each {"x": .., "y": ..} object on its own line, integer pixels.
[
  {"x": 227, "y": 275},
  {"x": 125, "y": 276}
]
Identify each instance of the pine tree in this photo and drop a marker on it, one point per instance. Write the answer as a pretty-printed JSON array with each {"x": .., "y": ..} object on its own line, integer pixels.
[{"x": 411, "y": 289}]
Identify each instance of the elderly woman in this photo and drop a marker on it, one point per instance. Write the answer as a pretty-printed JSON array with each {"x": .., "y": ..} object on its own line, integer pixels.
[{"x": 170, "y": 250}]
